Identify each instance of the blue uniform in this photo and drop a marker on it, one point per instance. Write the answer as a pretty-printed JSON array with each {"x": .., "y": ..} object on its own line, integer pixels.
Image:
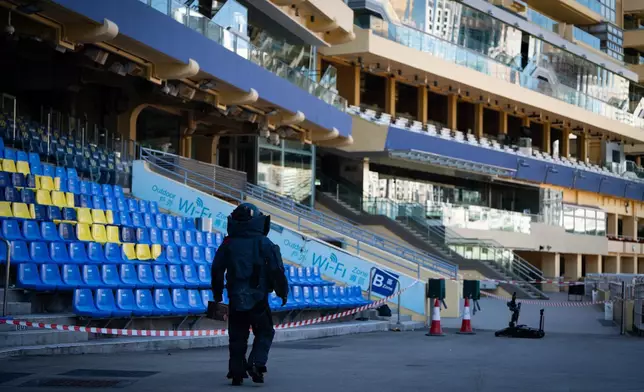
[{"x": 253, "y": 267}]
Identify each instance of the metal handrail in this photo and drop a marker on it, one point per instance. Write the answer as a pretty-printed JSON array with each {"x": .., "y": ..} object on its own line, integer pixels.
[
  {"x": 6, "y": 278},
  {"x": 188, "y": 178}
]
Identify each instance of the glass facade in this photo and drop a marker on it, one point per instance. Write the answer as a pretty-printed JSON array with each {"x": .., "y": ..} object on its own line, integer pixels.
[
  {"x": 287, "y": 169},
  {"x": 583, "y": 220}
]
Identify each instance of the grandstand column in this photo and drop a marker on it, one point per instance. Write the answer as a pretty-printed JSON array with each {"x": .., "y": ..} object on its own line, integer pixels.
[
  {"x": 611, "y": 264},
  {"x": 206, "y": 148},
  {"x": 593, "y": 264},
  {"x": 188, "y": 127},
  {"x": 126, "y": 121},
  {"x": 640, "y": 265},
  {"x": 629, "y": 228},
  {"x": 629, "y": 264},
  {"x": 564, "y": 149},
  {"x": 525, "y": 121},
  {"x": 452, "y": 104},
  {"x": 545, "y": 142},
  {"x": 503, "y": 122},
  {"x": 422, "y": 104},
  {"x": 390, "y": 96},
  {"x": 550, "y": 268},
  {"x": 611, "y": 224},
  {"x": 349, "y": 83},
  {"x": 582, "y": 147},
  {"x": 572, "y": 266},
  {"x": 478, "y": 120},
  {"x": 638, "y": 160}
]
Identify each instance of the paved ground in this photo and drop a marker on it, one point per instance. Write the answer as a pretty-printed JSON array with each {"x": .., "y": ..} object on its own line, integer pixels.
[{"x": 384, "y": 361}]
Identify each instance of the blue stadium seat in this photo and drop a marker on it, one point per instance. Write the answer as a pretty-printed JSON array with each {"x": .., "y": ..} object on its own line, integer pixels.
[
  {"x": 200, "y": 238},
  {"x": 144, "y": 207},
  {"x": 307, "y": 297},
  {"x": 357, "y": 296},
  {"x": 175, "y": 276},
  {"x": 49, "y": 231},
  {"x": 219, "y": 238},
  {"x": 159, "y": 221},
  {"x": 163, "y": 302},
  {"x": 31, "y": 231},
  {"x": 49, "y": 170},
  {"x": 39, "y": 212},
  {"x": 67, "y": 232},
  {"x": 50, "y": 276},
  {"x": 98, "y": 203},
  {"x": 110, "y": 204},
  {"x": 84, "y": 304},
  {"x": 338, "y": 294},
  {"x": 27, "y": 196},
  {"x": 71, "y": 277},
  {"x": 73, "y": 186},
  {"x": 22, "y": 156},
  {"x": 127, "y": 234},
  {"x": 113, "y": 253},
  {"x": 72, "y": 173},
  {"x": 301, "y": 277},
  {"x": 155, "y": 236},
  {"x": 154, "y": 207},
  {"x": 116, "y": 219},
  {"x": 191, "y": 276},
  {"x": 38, "y": 252},
  {"x": 69, "y": 214},
  {"x": 167, "y": 237},
  {"x": 181, "y": 302},
  {"x": 204, "y": 276},
  {"x": 59, "y": 171},
  {"x": 211, "y": 240},
  {"x": 274, "y": 302},
  {"x": 121, "y": 206},
  {"x": 85, "y": 201},
  {"x": 196, "y": 303},
  {"x": 29, "y": 278},
  {"x": 85, "y": 188},
  {"x": 118, "y": 192},
  {"x": 126, "y": 219},
  {"x": 206, "y": 296},
  {"x": 137, "y": 220},
  {"x": 161, "y": 279},
  {"x": 189, "y": 224},
  {"x": 53, "y": 213},
  {"x": 172, "y": 254},
  {"x": 95, "y": 189},
  {"x": 128, "y": 275},
  {"x": 78, "y": 253},
  {"x": 209, "y": 255},
  {"x": 10, "y": 153},
  {"x": 185, "y": 254},
  {"x": 18, "y": 180},
  {"x": 11, "y": 194},
  {"x": 190, "y": 238},
  {"x": 95, "y": 253},
  {"x": 132, "y": 205},
  {"x": 125, "y": 302},
  {"x": 142, "y": 236},
  {"x": 198, "y": 255},
  {"x": 291, "y": 275},
  {"x": 19, "y": 252},
  {"x": 11, "y": 230},
  {"x": 110, "y": 275},
  {"x": 145, "y": 275},
  {"x": 170, "y": 222},
  {"x": 91, "y": 276},
  {"x": 178, "y": 238},
  {"x": 107, "y": 190},
  {"x": 148, "y": 221},
  {"x": 298, "y": 297},
  {"x": 179, "y": 223},
  {"x": 58, "y": 252},
  {"x": 31, "y": 181},
  {"x": 5, "y": 180},
  {"x": 105, "y": 303},
  {"x": 318, "y": 298},
  {"x": 144, "y": 303}
]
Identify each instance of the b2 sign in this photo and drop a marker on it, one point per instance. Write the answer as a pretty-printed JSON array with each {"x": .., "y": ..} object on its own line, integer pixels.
[{"x": 383, "y": 282}]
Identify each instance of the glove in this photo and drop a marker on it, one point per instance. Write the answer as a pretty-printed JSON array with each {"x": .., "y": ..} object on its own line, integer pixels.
[{"x": 284, "y": 299}]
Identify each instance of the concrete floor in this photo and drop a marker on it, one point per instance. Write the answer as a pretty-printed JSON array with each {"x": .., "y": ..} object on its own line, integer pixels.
[{"x": 382, "y": 361}]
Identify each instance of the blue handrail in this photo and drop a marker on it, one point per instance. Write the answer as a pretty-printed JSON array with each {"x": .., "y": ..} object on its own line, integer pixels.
[{"x": 164, "y": 162}]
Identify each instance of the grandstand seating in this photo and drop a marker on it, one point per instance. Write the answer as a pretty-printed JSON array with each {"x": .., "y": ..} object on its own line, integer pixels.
[{"x": 119, "y": 256}]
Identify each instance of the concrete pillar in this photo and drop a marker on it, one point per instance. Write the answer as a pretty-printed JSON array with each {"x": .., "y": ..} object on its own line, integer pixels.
[
  {"x": 422, "y": 104},
  {"x": 593, "y": 264},
  {"x": 478, "y": 120},
  {"x": 503, "y": 122},
  {"x": 611, "y": 224},
  {"x": 611, "y": 265},
  {"x": 640, "y": 265},
  {"x": 452, "y": 107},
  {"x": 550, "y": 268},
  {"x": 349, "y": 84},
  {"x": 206, "y": 148},
  {"x": 525, "y": 121},
  {"x": 573, "y": 266},
  {"x": 126, "y": 121},
  {"x": 390, "y": 96},
  {"x": 629, "y": 227},
  {"x": 564, "y": 146},
  {"x": 545, "y": 139},
  {"x": 629, "y": 265},
  {"x": 638, "y": 160},
  {"x": 582, "y": 147}
]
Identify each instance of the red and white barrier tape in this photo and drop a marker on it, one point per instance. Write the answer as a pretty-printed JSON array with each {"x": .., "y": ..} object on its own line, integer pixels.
[
  {"x": 548, "y": 304},
  {"x": 209, "y": 332},
  {"x": 525, "y": 282}
]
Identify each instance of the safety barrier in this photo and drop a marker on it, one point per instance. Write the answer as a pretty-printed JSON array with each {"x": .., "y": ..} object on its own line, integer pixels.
[
  {"x": 205, "y": 332},
  {"x": 550, "y": 304}
]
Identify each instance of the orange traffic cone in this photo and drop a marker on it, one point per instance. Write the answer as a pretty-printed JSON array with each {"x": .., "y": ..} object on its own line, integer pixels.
[
  {"x": 435, "y": 328},
  {"x": 466, "y": 326}
]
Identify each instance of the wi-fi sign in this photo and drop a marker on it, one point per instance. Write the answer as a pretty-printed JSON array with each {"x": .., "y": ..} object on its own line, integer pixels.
[{"x": 199, "y": 202}]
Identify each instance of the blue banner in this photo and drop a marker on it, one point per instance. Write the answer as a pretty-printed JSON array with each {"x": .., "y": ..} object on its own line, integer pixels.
[{"x": 383, "y": 282}]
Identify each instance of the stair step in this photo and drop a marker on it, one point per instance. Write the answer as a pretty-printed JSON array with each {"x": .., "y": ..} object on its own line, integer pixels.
[
  {"x": 403, "y": 317},
  {"x": 37, "y": 337},
  {"x": 14, "y": 308}
]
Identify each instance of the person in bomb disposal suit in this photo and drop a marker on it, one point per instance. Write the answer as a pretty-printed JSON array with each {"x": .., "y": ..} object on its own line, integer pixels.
[{"x": 254, "y": 268}]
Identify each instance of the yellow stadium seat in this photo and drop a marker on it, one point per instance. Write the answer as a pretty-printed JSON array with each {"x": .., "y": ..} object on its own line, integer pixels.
[
  {"x": 98, "y": 216},
  {"x": 57, "y": 183},
  {"x": 156, "y": 251},
  {"x": 83, "y": 215},
  {"x": 9, "y": 166},
  {"x": 5, "y": 209},
  {"x": 23, "y": 167},
  {"x": 32, "y": 211},
  {"x": 109, "y": 215},
  {"x": 43, "y": 197},
  {"x": 37, "y": 179},
  {"x": 129, "y": 252},
  {"x": 113, "y": 234},
  {"x": 83, "y": 233},
  {"x": 20, "y": 210},
  {"x": 143, "y": 252},
  {"x": 99, "y": 233},
  {"x": 70, "y": 199},
  {"x": 58, "y": 199},
  {"x": 47, "y": 183}
]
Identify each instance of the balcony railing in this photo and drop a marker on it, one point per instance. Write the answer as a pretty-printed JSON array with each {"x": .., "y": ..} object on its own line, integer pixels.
[
  {"x": 240, "y": 45},
  {"x": 587, "y": 38},
  {"x": 593, "y": 5},
  {"x": 542, "y": 20}
]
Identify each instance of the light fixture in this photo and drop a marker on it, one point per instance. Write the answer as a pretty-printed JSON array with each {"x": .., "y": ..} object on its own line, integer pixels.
[
  {"x": 264, "y": 132},
  {"x": 207, "y": 84},
  {"x": 97, "y": 55},
  {"x": 274, "y": 138}
]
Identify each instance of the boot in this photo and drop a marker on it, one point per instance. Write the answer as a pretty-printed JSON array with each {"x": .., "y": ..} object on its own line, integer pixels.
[
  {"x": 257, "y": 373},
  {"x": 237, "y": 381}
]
